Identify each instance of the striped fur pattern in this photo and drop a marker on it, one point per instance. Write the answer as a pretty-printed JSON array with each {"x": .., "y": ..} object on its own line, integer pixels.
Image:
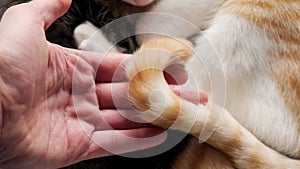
[{"x": 258, "y": 45}]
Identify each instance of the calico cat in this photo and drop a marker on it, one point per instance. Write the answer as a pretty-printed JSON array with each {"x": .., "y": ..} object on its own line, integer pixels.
[{"x": 247, "y": 58}]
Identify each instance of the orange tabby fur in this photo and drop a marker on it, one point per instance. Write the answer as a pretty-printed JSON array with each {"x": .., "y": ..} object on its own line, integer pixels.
[
  {"x": 236, "y": 146},
  {"x": 144, "y": 79},
  {"x": 258, "y": 45}
]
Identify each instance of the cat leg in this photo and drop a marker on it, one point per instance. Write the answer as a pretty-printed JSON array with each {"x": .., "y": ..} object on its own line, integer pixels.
[{"x": 89, "y": 37}]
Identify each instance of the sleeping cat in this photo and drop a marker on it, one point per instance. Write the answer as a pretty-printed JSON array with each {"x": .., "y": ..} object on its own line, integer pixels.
[{"x": 247, "y": 58}]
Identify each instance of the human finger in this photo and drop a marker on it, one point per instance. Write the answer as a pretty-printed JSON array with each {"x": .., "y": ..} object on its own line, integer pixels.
[
  {"x": 193, "y": 95},
  {"x": 175, "y": 74},
  {"x": 22, "y": 20},
  {"x": 122, "y": 119},
  {"x": 114, "y": 95},
  {"x": 50, "y": 10},
  {"x": 108, "y": 67},
  {"x": 111, "y": 67},
  {"x": 37, "y": 12},
  {"x": 123, "y": 141}
]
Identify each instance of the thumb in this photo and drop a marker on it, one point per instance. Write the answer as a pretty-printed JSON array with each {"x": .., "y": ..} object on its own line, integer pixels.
[{"x": 50, "y": 10}]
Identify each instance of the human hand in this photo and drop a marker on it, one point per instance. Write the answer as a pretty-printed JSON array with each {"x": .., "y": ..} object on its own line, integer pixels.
[{"x": 55, "y": 109}]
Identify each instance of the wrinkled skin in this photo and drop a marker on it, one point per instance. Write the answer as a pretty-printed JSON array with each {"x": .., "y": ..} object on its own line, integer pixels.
[{"x": 54, "y": 101}]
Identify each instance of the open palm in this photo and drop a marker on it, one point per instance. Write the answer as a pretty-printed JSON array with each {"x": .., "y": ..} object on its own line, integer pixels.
[
  {"x": 56, "y": 104},
  {"x": 50, "y": 103}
]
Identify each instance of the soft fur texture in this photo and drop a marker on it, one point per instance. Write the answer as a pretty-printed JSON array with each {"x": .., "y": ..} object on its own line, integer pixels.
[{"x": 251, "y": 69}]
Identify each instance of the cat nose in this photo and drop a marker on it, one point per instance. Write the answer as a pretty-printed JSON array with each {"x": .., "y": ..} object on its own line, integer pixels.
[{"x": 139, "y": 2}]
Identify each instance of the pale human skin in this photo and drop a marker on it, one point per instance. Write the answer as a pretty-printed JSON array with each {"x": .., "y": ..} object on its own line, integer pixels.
[{"x": 40, "y": 126}]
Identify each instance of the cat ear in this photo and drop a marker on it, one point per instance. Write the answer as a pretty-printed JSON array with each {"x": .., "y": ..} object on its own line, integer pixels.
[{"x": 139, "y": 2}]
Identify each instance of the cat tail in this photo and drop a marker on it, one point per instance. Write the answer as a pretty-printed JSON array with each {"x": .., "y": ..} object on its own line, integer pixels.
[{"x": 148, "y": 90}]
